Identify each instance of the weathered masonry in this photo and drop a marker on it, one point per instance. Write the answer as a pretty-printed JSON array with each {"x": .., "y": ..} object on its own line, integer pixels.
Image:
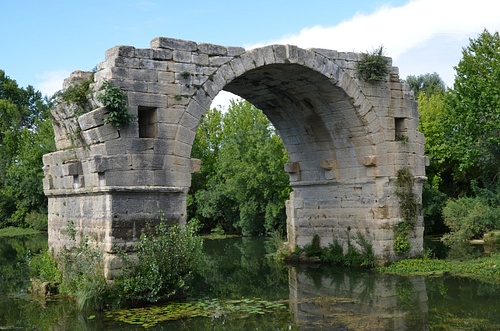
[{"x": 346, "y": 140}]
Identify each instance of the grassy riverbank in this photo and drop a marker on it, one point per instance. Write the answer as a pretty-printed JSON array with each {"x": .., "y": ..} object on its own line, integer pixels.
[
  {"x": 13, "y": 231},
  {"x": 484, "y": 269}
]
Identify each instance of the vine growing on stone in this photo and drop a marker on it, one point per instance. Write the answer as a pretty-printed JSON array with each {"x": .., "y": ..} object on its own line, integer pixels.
[{"x": 408, "y": 205}]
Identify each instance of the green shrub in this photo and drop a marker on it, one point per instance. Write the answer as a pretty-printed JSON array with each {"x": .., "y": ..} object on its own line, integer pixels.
[
  {"x": 401, "y": 243},
  {"x": 43, "y": 266},
  {"x": 469, "y": 218},
  {"x": 83, "y": 276},
  {"x": 115, "y": 100},
  {"x": 314, "y": 248},
  {"x": 373, "y": 67},
  {"x": 79, "y": 94},
  {"x": 166, "y": 255}
]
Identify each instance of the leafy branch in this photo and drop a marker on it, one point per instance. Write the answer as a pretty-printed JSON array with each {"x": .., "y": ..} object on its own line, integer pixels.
[{"x": 114, "y": 99}]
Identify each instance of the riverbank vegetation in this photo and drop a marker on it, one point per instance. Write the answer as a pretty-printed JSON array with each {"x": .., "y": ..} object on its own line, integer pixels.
[
  {"x": 485, "y": 269},
  {"x": 160, "y": 267}
]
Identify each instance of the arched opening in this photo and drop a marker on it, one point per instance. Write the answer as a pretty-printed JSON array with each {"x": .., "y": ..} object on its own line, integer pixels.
[
  {"x": 241, "y": 186},
  {"x": 323, "y": 135}
]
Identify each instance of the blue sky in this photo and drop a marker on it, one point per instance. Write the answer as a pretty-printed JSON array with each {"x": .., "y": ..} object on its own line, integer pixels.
[{"x": 43, "y": 41}]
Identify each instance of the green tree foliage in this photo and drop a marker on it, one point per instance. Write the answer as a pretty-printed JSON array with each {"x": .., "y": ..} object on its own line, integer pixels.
[
  {"x": 25, "y": 135},
  {"x": 427, "y": 83},
  {"x": 472, "y": 217},
  {"x": 242, "y": 185},
  {"x": 474, "y": 111},
  {"x": 432, "y": 108},
  {"x": 462, "y": 129}
]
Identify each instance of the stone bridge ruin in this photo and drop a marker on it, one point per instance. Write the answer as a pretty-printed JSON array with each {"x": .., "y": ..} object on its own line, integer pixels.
[{"x": 346, "y": 140}]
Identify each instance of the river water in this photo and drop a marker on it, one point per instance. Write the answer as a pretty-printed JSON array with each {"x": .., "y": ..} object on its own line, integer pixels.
[{"x": 247, "y": 290}]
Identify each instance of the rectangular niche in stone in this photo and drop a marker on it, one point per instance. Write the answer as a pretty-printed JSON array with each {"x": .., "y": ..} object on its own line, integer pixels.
[
  {"x": 400, "y": 127},
  {"x": 147, "y": 122}
]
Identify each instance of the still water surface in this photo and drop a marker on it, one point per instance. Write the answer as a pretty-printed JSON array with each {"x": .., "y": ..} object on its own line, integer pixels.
[{"x": 237, "y": 270}]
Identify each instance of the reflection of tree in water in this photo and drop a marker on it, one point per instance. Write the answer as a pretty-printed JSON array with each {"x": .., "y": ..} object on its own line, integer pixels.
[
  {"x": 18, "y": 310},
  {"x": 455, "y": 302},
  {"x": 14, "y": 277},
  {"x": 237, "y": 267}
]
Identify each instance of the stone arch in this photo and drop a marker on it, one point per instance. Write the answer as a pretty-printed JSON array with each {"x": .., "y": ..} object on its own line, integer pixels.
[{"x": 340, "y": 134}]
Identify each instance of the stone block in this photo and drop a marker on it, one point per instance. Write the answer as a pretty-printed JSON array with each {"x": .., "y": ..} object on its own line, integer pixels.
[
  {"x": 71, "y": 168},
  {"x": 185, "y": 134},
  {"x": 217, "y": 61},
  {"x": 238, "y": 67},
  {"x": 370, "y": 160},
  {"x": 166, "y": 77},
  {"x": 120, "y": 73},
  {"x": 136, "y": 99},
  {"x": 181, "y": 67},
  {"x": 235, "y": 51},
  {"x": 147, "y": 161},
  {"x": 247, "y": 61},
  {"x": 100, "y": 134},
  {"x": 182, "y": 56},
  {"x": 126, "y": 51},
  {"x": 292, "y": 167},
  {"x": 195, "y": 165},
  {"x": 268, "y": 54},
  {"x": 174, "y": 44},
  {"x": 120, "y": 61},
  {"x": 211, "y": 49},
  {"x": 151, "y": 64},
  {"x": 144, "y": 53},
  {"x": 93, "y": 118},
  {"x": 200, "y": 59},
  {"x": 162, "y": 54}
]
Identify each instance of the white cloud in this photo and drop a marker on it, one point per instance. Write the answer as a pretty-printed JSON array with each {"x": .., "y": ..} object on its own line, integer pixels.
[
  {"x": 51, "y": 81},
  {"x": 223, "y": 100},
  {"x": 422, "y": 36}
]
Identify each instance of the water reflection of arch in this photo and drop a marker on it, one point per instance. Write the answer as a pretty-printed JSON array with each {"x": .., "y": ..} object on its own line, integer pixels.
[{"x": 343, "y": 300}]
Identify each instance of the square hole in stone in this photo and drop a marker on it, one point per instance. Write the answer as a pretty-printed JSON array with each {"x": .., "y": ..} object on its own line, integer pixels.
[{"x": 147, "y": 122}]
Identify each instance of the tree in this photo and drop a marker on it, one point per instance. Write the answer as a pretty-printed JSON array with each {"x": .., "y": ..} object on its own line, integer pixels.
[
  {"x": 473, "y": 124},
  {"x": 26, "y": 134},
  {"x": 245, "y": 186},
  {"x": 432, "y": 108},
  {"x": 426, "y": 83}
]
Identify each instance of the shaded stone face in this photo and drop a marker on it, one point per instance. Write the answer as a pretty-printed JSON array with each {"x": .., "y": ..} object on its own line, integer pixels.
[{"x": 342, "y": 136}]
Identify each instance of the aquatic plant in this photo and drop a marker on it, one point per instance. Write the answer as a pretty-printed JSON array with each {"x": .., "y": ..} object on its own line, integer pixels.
[
  {"x": 484, "y": 269},
  {"x": 152, "y": 315}
]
